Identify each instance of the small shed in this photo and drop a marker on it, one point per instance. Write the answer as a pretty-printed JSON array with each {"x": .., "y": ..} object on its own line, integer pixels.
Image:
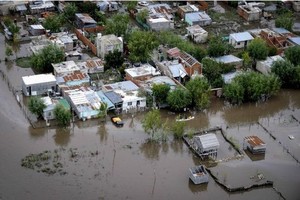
[
  {"x": 38, "y": 84},
  {"x": 201, "y": 18},
  {"x": 84, "y": 20},
  {"x": 36, "y": 29},
  {"x": 21, "y": 9},
  {"x": 254, "y": 144},
  {"x": 240, "y": 40},
  {"x": 197, "y": 34},
  {"x": 207, "y": 144},
  {"x": 230, "y": 60}
]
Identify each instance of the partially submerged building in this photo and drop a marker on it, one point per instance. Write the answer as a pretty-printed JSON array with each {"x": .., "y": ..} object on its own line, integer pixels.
[
  {"x": 240, "y": 40},
  {"x": 36, "y": 29},
  {"x": 264, "y": 66},
  {"x": 206, "y": 145},
  {"x": 254, "y": 144},
  {"x": 38, "y": 84},
  {"x": 197, "y": 34},
  {"x": 48, "y": 112},
  {"x": 201, "y": 18}
]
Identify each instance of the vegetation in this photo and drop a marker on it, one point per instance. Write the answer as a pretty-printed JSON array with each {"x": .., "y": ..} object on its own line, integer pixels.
[
  {"x": 69, "y": 11},
  {"x": 23, "y": 62},
  {"x": 142, "y": 16},
  {"x": 293, "y": 55},
  {"x": 160, "y": 92},
  {"x": 130, "y": 4},
  {"x": 36, "y": 106},
  {"x": 246, "y": 60},
  {"x": 54, "y": 23},
  {"x": 62, "y": 115},
  {"x": 8, "y": 51},
  {"x": 179, "y": 99},
  {"x": 117, "y": 25},
  {"x": 288, "y": 73},
  {"x": 217, "y": 47},
  {"x": 113, "y": 59},
  {"x": 200, "y": 91},
  {"x": 103, "y": 110},
  {"x": 12, "y": 27},
  {"x": 251, "y": 86},
  {"x": 258, "y": 49},
  {"x": 285, "y": 20},
  {"x": 41, "y": 61},
  {"x": 152, "y": 123},
  {"x": 141, "y": 45},
  {"x": 178, "y": 129}
]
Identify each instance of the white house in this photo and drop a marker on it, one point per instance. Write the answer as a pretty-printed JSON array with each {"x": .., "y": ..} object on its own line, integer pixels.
[
  {"x": 38, "y": 84},
  {"x": 65, "y": 67},
  {"x": 240, "y": 40},
  {"x": 264, "y": 66},
  {"x": 197, "y": 34},
  {"x": 108, "y": 43}
]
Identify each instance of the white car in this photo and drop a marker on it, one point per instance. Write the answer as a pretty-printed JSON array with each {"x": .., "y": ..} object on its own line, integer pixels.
[{"x": 143, "y": 3}]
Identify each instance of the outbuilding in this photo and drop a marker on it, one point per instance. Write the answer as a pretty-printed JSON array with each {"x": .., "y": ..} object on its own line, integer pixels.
[
  {"x": 240, "y": 40},
  {"x": 38, "y": 84}
]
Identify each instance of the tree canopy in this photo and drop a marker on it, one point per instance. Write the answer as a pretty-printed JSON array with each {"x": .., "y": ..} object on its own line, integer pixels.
[
  {"x": 117, "y": 25},
  {"x": 200, "y": 91},
  {"x": 41, "y": 61},
  {"x": 141, "y": 45},
  {"x": 53, "y": 23},
  {"x": 285, "y": 20},
  {"x": 258, "y": 49},
  {"x": 69, "y": 11},
  {"x": 113, "y": 59},
  {"x": 178, "y": 129},
  {"x": 179, "y": 99},
  {"x": 36, "y": 105},
  {"x": 62, "y": 115},
  {"x": 152, "y": 122},
  {"x": 217, "y": 47},
  {"x": 160, "y": 92},
  {"x": 293, "y": 55}
]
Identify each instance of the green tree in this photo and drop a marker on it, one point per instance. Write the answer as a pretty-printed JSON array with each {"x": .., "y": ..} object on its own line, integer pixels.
[
  {"x": 117, "y": 25},
  {"x": 200, "y": 91},
  {"x": 293, "y": 55},
  {"x": 160, "y": 92},
  {"x": 69, "y": 11},
  {"x": 114, "y": 59},
  {"x": 285, "y": 20},
  {"x": 217, "y": 47},
  {"x": 15, "y": 31},
  {"x": 142, "y": 16},
  {"x": 36, "y": 105},
  {"x": 288, "y": 73},
  {"x": 41, "y": 61},
  {"x": 234, "y": 92},
  {"x": 103, "y": 110},
  {"x": 258, "y": 49},
  {"x": 212, "y": 71},
  {"x": 53, "y": 23},
  {"x": 100, "y": 18},
  {"x": 152, "y": 123},
  {"x": 178, "y": 129},
  {"x": 179, "y": 99},
  {"x": 62, "y": 115},
  {"x": 141, "y": 45},
  {"x": 246, "y": 60},
  {"x": 8, "y": 51},
  {"x": 130, "y": 4}
]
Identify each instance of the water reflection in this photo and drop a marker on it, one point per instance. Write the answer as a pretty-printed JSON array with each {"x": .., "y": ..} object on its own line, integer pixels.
[
  {"x": 177, "y": 146},
  {"x": 151, "y": 150},
  {"x": 62, "y": 136},
  {"x": 37, "y": 133},
  {"x": 102, "y": 131},
  {"x": 197, "y": 188}
]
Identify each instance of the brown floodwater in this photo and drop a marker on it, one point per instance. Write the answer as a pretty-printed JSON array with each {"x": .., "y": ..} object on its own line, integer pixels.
[{"x": 128, "y": 168}]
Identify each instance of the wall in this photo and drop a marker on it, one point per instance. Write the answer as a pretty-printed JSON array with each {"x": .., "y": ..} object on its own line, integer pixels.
[{"x": 86, "y": 41}]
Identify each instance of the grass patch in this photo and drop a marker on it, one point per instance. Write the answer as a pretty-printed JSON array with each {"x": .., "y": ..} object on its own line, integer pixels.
[{"x": 23, "y": 62}]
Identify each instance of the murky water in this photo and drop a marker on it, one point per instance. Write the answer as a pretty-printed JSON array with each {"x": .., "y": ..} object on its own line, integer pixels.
[{"x": 128, "y": 168}]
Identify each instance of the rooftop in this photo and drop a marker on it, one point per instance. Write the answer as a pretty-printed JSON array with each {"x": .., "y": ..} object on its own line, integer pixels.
[
  {"x": 243, "y": 36},
  {"x": 209, "y": 140},
  {"x": 196, "y": 29},
  {"x": 295, "y": 40},
  {"x": 228, "y": 59},
  {"x": 187, "y": 58},
  {"x": 113, "y": 97},
  {"x": 85, "y": 18},
  {"x": 123, "y": 85},
  {"x": 177, "y": 70},
  {"x": 144, "y": 70},
  {"x": 229, "y": 76},
  {"x": 270, "y": 60},
  {"x": 75, "y": 76},
  {"x": 188, "y": 8},
  {"x": 198, "y": 16},
  {"x": 65, "y": 67},
  {"x": 254, "y": 141},
  {"x": 38, "y": 79}
]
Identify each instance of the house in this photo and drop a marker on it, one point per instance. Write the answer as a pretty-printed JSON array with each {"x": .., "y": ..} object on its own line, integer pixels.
[
  {"x": 91, "y": 65},
  {"x": 75, "y": 78},
  {"x": 148, "y": 84},
  {"x": 108, "y": 6},
  {"x": 66, "y": 41},
  {"x": 104, "y": 99},
  {"x": 21, "y": 9},
  {"x": 40, "y": 6},
  {"x": 173, "y": 53},
  {"x": 254, "y": 144},
  {"x": 64, "y": 68},
  {"x": 197, "y": 34},
  {"x": 249, "y": 11},
  {"x": 125, "y": 93},
  {"x": 182, "y": 10},
  {"x": 207, "y": 144},
  {"x": 36, "y": 29},
  {"x": 264, "y": 66},
  {"x": 160, "y": 17},
  {"x": 240, "y": 40},
  {"x": 48, "y": 112},
  {"x": 108, "y": 43},
  {"x": 84, "y": 20},
  {"x": 230, "y": 60},
  {"x": 190, "y": 64},
  {"x": 140, "y": 74},
  {"x": 200, "y": 18},
  {"x": 176, "y": 70},
  {"x": 38, "y": 84},
  {"x": 84, "y": 101},
  {"x": 296, "y": 6}
]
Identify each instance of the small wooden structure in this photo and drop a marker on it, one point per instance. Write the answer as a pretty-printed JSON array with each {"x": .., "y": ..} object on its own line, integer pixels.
[
  {"x": 198, "y": 174},
  {"x": 206, "y": 145},
  {"x": 254, "y": 144}
]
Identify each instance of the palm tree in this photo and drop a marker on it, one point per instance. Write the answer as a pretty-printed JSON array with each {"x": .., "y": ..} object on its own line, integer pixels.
[{"x": 103, "y": 110}]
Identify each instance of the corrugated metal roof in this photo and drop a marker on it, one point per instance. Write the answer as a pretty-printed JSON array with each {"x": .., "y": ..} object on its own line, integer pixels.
[
  {"x": 104, "y": 99},
  {"x": 209, "y": 140},
  {"x": 177, "y": 70},
  {"x": 243, "y": 36},
  {"x": 295, "y": 40},
  {"x": 228, "y": 59},
  {"x": 113, "y": 97},
  {"x": 38, "y": 79},
  {"x": 198, "y": 16},
  {"x": 280, "y": 30}
]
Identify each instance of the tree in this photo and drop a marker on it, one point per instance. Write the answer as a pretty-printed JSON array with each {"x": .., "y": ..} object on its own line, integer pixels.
[
  {"x": 152, "y": 123},
  {"x": 200, "y": 91},
  {"x": 288, "y": 73},
  {"x": 53, "y": 23},
  {"x": 246, "y": 60},
  {"x": 258, "y": 49},
  {"x": 100, "y": 18},
  {"x": 62, "y": 115},
  {"x": 178, "y": 129},
  {"x": 141, "y": 45},
  {"x": 117, "y": 25},
  {"x": 217, "y": 47},
  {"x": 179, "y": 99},
  {"x": 160, "y": 92},
  {"x": 212, "y": 71},
  {"x": 15, "y": 30},
  {"x": 50, "y": 54},
  {"x": 8, "y": 51},
  {"x": 142, "y": 16},
  {"x": 285, "y": 20},
  {"x": 293, "y": 55},
  {"x": 234, "y": 92},
  {"x": 36, "y": 105},
  {"x": 113, "y": 59},
  {"x": 130, "y": 4},
  {"x": 69, "y": 11}
]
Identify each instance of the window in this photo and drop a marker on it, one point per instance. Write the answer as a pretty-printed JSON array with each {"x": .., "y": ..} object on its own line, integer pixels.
[
  {"x": 129, "y": 103},
  {"x": 238, "y": 43}
]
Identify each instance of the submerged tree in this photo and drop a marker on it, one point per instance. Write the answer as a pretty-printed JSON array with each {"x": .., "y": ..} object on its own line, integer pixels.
[
  {"x": 62, "y": 115},
  {"x": 178, "y": 129},
  {"x": 160, "y": 92},
  {"x": 152, "y": 123},
  {"x": 293, "y": 55},
  {"x": 179, "y": 99},
  {"x": 36, "y": 106},
  {"x": 200, "y": 90}
]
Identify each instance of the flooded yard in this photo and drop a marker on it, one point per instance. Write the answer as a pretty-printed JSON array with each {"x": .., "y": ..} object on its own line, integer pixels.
[{"x": 127, "y": 167}]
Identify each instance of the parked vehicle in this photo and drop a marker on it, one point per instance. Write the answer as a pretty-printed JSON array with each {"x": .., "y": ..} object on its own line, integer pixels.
[{"x": 117, "y": 121}]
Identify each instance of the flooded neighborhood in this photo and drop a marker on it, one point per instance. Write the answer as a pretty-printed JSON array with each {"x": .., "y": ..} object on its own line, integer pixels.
[{"x": 106, "y": 149}]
